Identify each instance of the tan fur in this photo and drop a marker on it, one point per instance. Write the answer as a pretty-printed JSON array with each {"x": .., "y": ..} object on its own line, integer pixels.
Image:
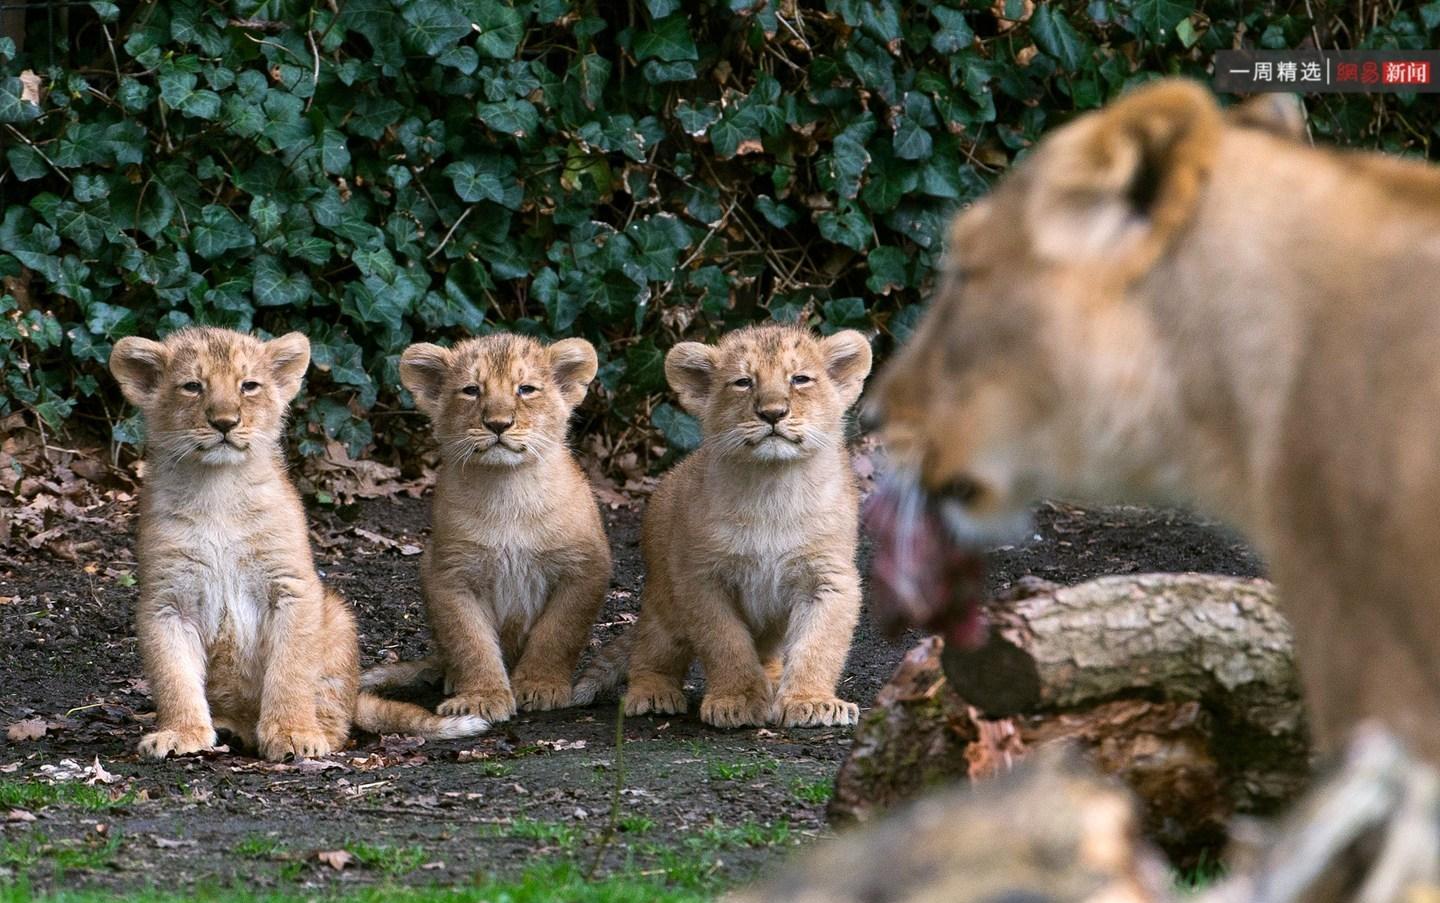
[
  {"x": 518, "y": 564},
  {"x": 749, "y": 542},
  {"x": 1168, "y": 302},
  {"x": 236, "y": 631}
]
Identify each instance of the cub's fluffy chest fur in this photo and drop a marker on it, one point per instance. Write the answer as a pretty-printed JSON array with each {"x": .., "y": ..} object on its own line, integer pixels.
[
  {"x": 236, "y": 631},
  {"x": 517, "y": 565},
  {"x": 750, "y": 542}
]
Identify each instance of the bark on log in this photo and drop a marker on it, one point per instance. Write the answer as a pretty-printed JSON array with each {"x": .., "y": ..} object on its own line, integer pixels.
[
  {"x": 1051, "y": 832},
  {"x": 1182, "y": 685}
]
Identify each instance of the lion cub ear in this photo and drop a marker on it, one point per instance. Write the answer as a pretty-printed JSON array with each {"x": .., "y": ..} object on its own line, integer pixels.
[
  {"x": 847, "y": 360},
  {"x": 1114, "y": 186},
  {"x": 138, "y": 366},
  {"x": 422, "y": 371},
  {"x": 1282, "y": 115},
  {"x": 289, "y": 359},
  {"x": 690, "y": 370},
  {"x": 573, "y": 365}
]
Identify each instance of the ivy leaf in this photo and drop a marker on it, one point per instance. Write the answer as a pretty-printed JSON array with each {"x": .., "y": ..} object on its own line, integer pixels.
[
  {"x": 513, "y": 117},
  {"x": 13, "y": 105},
  {"x": 1158, "y": 18},
  {"x": 435, "y": 26},
  {"x": 489, "y": 178},
  {"x": 26, "y": 162},
  {"x": 659, "y": 9},
  {"x": 219, "y": 231},
  {"x": 777, "y": 214},
  {"x": 273, "y": 287},
  {"x": 847, "y": 226},
  {"x": 954, "y": 34},
  {"x": 498, "y": 29},
  {"x": 334, "y": 153},
  {"x": 912, "y": 141},
  {"x": 681, "y": 431},
  {"x": 1057, "y": 37},
  {"x": 668, "y": 39}
]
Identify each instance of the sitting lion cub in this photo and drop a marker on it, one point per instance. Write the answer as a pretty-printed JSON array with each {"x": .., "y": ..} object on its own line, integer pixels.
[
  {"x": 518, "y": 564},
  {"x": 236, "y": 631},
  {"x": 749, "y": 543}
]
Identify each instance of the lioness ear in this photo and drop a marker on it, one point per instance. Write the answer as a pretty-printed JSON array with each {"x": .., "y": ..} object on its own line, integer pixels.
[
  {"x": 422, "y": 371},
  {"x": 1279, "y": 114},
  {"x": 847, "y": 360},
  {"x": 138, "y": 364},
  {"x": 573, "y": 365},
  {"x": 690, "y": 370},
  {"x": 289, "y": 359},
  {"x": 1116, "y": 185}
]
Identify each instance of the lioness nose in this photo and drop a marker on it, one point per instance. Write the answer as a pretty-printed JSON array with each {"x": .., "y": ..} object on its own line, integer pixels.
[
  {"x": 498, "y": 426},
  {"x": 224, "y": 423},
  {"x": 871, "y": 417},
  {"x": 773, "y": 414}
]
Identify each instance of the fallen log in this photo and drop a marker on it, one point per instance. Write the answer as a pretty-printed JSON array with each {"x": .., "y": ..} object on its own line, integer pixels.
[{"x": 1180, "y": 684}]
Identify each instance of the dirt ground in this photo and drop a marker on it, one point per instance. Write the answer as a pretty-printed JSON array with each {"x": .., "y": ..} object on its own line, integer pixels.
[{"x": 699, "y": 807}]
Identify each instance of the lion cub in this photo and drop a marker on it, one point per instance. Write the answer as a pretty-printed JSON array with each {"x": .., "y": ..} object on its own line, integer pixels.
[
  {"x": 236, "y": 631},
  {"x": 749, "y": 543},
  {"x": 518, "y": 564}
]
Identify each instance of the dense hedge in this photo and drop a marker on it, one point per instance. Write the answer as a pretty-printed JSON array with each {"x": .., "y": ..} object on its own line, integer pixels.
[{"x": 377, "y": 171}]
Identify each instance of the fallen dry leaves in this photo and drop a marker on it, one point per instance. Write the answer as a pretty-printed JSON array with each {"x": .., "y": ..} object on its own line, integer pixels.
[
  {"x": 336, "y": 859},
  {"x": 29, "y": 729}
]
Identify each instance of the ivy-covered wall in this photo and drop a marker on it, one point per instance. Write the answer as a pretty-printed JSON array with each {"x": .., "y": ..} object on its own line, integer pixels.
[{"x": 375, "y": 172}]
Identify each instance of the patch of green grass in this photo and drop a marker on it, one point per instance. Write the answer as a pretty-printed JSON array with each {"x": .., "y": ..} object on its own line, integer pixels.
[
  {"x": 747, "y": 833},
  {"x": 1206, "y": 871},
  {"x": 38, "y": 795},
  {"x": 551, "y": 833},
  {"x": 635, "y": 824},
  {"x": 542, "y": 883},
  {"x": 258, "y": 846},
  {"x": 493, "y": 769},
  {"x": 739, "y": 771},
  {"x": 388, "y": 859},
  {"x": 36, "y": 849},
  {"x": 814, "y": 792}
]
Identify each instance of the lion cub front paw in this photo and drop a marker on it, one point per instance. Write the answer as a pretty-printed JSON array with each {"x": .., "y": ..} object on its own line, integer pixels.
[
  {"x": 735, "y": 710},
  {"x": 494, "y": 706},
  {"x": 655, "y": 701},
  {"x": 278, "y": 742},
  {"x": 541, "y": 695},
  {"x": 823, "y": 711},
  {"x": 177, "y": 741}
]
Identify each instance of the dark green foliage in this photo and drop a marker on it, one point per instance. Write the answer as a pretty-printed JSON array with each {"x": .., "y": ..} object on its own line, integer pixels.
[{"x": 375, "y": 172}]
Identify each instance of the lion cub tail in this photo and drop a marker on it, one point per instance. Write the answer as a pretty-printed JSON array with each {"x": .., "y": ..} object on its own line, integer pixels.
[
  {"x": 388, "y": 716},
  {"x": 606, "y": 671},
  {"x": 402, "y": 674}
]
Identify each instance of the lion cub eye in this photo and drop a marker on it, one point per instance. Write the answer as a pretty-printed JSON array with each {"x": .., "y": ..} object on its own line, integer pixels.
[
  {"x": 526, "y": 390},
  {"x": 471, "y": 391},
  {"x": 193, "y": 387},
  {"x": 800, "y": 379},
  {"x": 250, "y": 387},
  {"x": 743, "y": 382}
]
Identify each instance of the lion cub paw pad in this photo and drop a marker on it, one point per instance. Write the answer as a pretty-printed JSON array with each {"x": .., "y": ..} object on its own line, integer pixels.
[
  {"x": 183, "y": 742},
  {"x": 655, "y": 702},
  {"x": 542, "y": 697},
  {"x": 490, "y": 706},
  {"x": 816, "y": 712},
  {"x": 735, "y": 711}
]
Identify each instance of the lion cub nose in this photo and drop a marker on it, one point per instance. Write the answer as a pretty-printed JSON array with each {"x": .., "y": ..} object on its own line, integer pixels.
[
  {"x": 224, "y": 424},
  {"x": 498, "y": 426},
  {"x": 773, "y": 414}
]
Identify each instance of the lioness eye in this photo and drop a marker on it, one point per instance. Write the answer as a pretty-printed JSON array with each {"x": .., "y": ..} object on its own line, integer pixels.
[
  {"x": 193, "y": 387},
  {"x": 249, "y": 387},
  {"x": 527, "y": 389},
  {"x": 743, "y": 382},
  {"x": 471, "y": 391},
  {"x": 800, "y": 379}
]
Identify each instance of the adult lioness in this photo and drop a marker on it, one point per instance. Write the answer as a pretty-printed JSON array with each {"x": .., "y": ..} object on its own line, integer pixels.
[
  {"x": 517, "y": 565},
  {"x": 1167, "y": 301},
  {"x": 236, "y": 630},
  {"x": 749, "y": 543}
]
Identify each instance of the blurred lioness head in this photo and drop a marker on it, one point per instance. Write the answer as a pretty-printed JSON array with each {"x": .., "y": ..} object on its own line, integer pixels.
[{"x": 1037, "y": 370}]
